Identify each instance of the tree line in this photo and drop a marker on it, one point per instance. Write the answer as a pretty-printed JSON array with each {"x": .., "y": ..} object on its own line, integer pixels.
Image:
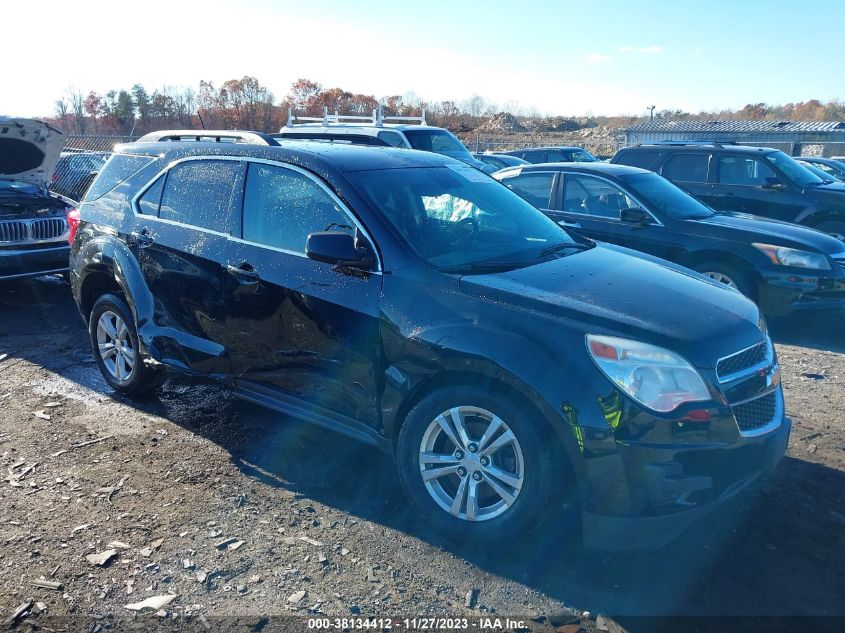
[{"x": 247, "y": 104}]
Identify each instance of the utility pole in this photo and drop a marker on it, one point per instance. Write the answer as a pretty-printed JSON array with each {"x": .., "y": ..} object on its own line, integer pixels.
[{"x": 651, "y": 112}]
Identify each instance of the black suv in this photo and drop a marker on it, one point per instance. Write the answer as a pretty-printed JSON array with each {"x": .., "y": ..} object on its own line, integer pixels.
[
  {"x": 782, "y": 266},
  {"x": 755, "y": 180},
  {"x": 416, "y": 304}
]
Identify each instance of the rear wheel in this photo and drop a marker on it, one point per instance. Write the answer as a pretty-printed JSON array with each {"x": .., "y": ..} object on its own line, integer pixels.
[
  {"x": 476, "y": 465},
  {"x": 729, "y": 275},
  {"x": 833, "y": 228},
  {"x": 114, "y": 340}
]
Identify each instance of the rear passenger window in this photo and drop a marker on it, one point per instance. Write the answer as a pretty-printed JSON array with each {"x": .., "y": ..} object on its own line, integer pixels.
[
  {"x": 200, "y": 193},
  {"x": 282, "y": 206},
  {"x": 643, "y": 160},
  {"x": 535, "y": 187},
  {"x": 148, "y": 203},
  {"x": 533, "y": 157},
  {"x": 557, "y": 156},
  {"x": 686, "y": 168}
]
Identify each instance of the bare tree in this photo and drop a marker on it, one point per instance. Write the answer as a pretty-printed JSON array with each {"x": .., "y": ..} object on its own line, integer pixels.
[{"x": 77, "y": 107}]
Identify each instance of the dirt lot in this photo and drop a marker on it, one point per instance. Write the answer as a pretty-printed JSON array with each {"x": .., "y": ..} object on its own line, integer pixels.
[{"x": 322, "y": 522}]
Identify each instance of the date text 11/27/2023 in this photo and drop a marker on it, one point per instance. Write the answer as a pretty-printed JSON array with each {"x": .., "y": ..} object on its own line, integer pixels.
[{"x": 416, "y": 624}]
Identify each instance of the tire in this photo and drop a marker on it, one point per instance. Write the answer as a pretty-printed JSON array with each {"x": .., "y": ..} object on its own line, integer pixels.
[
  {"x": 112, "y": 325},
  {"x": 533, "y": 461},
  {"x": 833, "y": 228},
  {"x": 728, "y": 274}
]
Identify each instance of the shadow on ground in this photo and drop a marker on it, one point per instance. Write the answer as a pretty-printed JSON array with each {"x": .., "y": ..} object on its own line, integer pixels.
[{"x": 776, "y": 550}]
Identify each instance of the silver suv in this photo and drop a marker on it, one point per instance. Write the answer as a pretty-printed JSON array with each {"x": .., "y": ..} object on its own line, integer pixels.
[{"x": 410, "y": 132}]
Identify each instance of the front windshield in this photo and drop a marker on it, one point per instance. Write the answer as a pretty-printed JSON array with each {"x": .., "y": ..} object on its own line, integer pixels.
[
  {"x": 794, "y": 170},
  {"x": 663, "y": 196},
  {"x": 437, "y": 141},
  {"x": 461, "y": 220}
]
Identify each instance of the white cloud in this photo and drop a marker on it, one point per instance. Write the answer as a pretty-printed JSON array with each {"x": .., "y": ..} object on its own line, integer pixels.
[
  {"x": 648, "y": 50},
  {"x": 597, "y": 58}
]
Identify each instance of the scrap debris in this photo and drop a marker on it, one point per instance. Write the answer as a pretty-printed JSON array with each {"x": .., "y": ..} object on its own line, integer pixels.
[
  {"x": 155, "y": 603},
  {"x": 102, "y": 558}
]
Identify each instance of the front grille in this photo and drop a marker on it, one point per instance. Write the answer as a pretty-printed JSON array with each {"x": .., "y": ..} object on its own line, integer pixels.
[
  {"x": 840, "y": 261},
  {"x": 756, "y": 413},
  {"x": 743, "y": 360},
  {"x": 48, "y": 229},
  {"x": 12, "y": 231}
]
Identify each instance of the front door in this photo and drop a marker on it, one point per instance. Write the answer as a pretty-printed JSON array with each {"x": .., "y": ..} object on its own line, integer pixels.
[
  {"x": 179, "y": 237},
  {"x": 594, "y": 206},
  {"x": 299, "y": 329},
  {"x": 750, "y": 185}
]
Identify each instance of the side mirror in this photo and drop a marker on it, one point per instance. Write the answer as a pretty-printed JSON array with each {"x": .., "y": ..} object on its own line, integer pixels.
[
  {"x": 635, "y": 216},
  {"x": 774, "y": 184},
  {"x": 339, "y": 249}
]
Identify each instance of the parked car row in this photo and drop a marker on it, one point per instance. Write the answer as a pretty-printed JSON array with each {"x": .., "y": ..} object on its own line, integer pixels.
[{"x": 784, "y": 267}]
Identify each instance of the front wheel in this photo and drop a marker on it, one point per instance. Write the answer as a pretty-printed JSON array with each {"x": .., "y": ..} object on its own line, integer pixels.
[
  {"x": 475, "y": 464},
  {"x": 114, "y": 340},
  {"x": 729, "y": 275}
]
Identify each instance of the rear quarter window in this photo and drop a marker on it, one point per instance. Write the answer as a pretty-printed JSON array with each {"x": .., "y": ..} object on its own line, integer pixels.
[{"x": 117, "y": 169}]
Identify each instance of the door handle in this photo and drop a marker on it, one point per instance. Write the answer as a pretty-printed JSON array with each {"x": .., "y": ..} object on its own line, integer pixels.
[
  {"x": 244, "y": 271},
  {"x": 142, "y": 237},
  {"x": 571, "y": 225}
]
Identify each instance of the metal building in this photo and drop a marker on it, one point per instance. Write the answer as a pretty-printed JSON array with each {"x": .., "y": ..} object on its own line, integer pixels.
[{"x": 797, "y": 138}]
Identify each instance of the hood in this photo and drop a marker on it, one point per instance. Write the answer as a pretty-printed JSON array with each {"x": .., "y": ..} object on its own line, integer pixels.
[
  {"x": 751, "y": 228},
  {"x": 29, "y": 150},
  {"x": 831, "y": 195},
  {"x": 613, "y": 290}
]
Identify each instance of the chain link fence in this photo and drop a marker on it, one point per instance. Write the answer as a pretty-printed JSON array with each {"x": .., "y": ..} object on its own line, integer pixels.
[{"x": 80, "y": 161}]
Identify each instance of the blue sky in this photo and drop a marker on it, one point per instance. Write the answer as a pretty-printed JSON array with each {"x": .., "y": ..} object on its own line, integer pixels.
[{"x": 562, "y": 57}]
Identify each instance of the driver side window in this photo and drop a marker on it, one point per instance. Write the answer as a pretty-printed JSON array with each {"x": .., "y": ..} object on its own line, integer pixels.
[
  {"x": 591, "y": 196},
  {"x": 748, "y": 172}
]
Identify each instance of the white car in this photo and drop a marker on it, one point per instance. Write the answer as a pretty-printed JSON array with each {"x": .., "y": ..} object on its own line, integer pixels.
[
  {"x": 395, "y": 131},
  {"x": 33, "y": 221}
]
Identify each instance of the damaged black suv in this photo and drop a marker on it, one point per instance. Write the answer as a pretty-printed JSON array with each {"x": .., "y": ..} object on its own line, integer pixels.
[
  {"x": 33, "y": 221},
  {"x": 414, "y": 303}
]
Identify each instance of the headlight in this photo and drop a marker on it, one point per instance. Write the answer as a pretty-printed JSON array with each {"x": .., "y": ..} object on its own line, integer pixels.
[
  {"x": 783, "y": 256},
  {"x": 655, "y": 377}
]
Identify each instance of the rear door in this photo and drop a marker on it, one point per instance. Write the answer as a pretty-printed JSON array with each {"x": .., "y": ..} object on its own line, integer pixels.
[
  {"x": 299, "y": 331},
  {"x": 179, "y": 238},
  {"x": 690, "y": 171},
  {"x": 593, "y": 206}
]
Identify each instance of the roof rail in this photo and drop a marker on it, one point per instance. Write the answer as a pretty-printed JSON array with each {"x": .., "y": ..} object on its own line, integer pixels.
[
  {"x": 378, "y": 118},
  {"x": 693, "y": 143},
  {"x": 211, "y": 136}
]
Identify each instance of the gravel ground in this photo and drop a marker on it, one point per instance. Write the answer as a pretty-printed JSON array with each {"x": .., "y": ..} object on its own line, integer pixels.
[{"x": 236, "y": 511}]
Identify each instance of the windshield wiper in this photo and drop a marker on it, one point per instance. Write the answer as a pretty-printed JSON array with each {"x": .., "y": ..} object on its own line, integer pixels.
[
  {"x": 494, "y": 266},
  {"x": 576, "y": 246}
]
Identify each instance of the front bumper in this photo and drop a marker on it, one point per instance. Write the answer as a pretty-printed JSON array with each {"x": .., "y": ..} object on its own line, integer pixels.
[
  {"x": 701, "y": 479},
  {"x": 18, "y": 263},
  {"x": 783, "y": 292}
]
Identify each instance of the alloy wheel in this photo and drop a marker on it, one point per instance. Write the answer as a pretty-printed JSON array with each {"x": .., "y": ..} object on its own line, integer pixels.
[
  {"x": 471, "y": 463},
  {"x": 722, "y": 279},
  {"x": 115, "y": 346}
]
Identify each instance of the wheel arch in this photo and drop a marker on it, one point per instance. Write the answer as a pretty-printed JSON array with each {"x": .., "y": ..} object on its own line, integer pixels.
[{"x": 514, "y": 389}]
